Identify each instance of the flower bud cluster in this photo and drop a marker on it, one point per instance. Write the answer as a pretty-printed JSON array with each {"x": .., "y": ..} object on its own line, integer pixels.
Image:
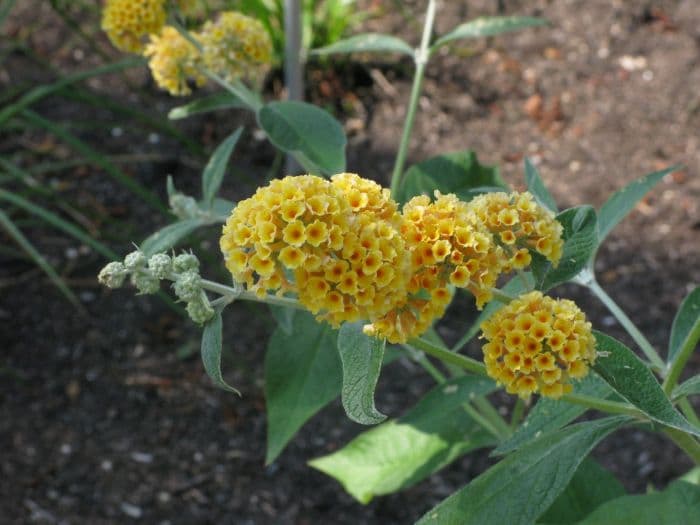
[
  {"x": 538, "y": 344},
  {"x": 173, "y": 61},
  {"x": 146, "y": 273},
  {"x": 127, "y": 22}
]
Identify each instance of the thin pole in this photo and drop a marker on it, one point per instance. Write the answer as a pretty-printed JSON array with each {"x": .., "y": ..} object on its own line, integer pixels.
[{"x": 293, "y": 76}]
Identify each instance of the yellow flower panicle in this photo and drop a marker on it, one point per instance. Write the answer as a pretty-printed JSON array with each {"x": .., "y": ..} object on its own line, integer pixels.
[
  {"x": 235, "y": 46},
  {"x": 447, "y": 246},
  {"x": 173, "y": 61},
  {"x": 538, "y": 344},
  {"x": 347, "y": 264},
  {"x": 127, "y": 22},
  {"x": 519, "y": 225}
]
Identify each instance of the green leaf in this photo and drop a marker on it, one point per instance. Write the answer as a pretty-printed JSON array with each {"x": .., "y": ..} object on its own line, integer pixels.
[
  {"x": 591, "y": 486},
  {"x": 679, "y": 504},
  {"x": 580, "y": 242},
  {"x": 623, "y": 201},
  {"x": 524, "y": 484},
  {"x": 211, "y": 352},
  {"x": 685, "y": 329},
  {"x": 309, "y": 133},
  {"x": 459, "y": 173},
  {"x": 361, "y": 357},
  {"x": 552, "y": 414},
  {"x": 402, "y": 452},
  {"x": 168, "y": 237},
  {"x": 537, "y": 188},
  {"x": 14, "y": 232},
  {"x": 59, "y": 223},
  {"x": 690, "y": 388},
  {"x": 284, "y": 315},
  {"x": 302, "y": 374},
  {"x": 222, "y": 208},
  {"x": 633, "y": 380},
  {"x": 367, "y": 42},
  {"x": 488, "y": 26},
  {"x": 214, "y": 171},
  {"x": 224, "y": 100}
]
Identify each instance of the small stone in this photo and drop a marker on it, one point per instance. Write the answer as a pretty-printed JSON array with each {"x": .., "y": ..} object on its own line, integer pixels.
[{"x": 131, "y": 510}]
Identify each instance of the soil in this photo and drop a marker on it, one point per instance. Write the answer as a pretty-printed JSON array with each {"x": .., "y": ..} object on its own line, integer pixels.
[{"x": 106, "y": 416}]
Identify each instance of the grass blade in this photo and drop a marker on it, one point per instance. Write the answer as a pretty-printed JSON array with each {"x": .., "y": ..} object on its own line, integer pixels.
[{"x": 38, "y": 259}]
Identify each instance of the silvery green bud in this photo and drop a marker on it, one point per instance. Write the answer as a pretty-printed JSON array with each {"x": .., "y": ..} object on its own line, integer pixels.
[
  {"x": 186, "y": 262},
  {"x": 188, "y": 286},
  {"x": 160, "y": 265},
  {"x": 112, "y": 275},
  {"x": 184, "y": 206},
  {"x": 145, "y": 283},
  {"x": 135, "y": 261},
  {"x": 200, "y": 311}
]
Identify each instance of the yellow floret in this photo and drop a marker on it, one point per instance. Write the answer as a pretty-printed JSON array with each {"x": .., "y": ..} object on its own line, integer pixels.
[
  {"x": 538, "y": 357},
  {"x": 173, "y": 61},
  {"x": 127, "y": 22}
]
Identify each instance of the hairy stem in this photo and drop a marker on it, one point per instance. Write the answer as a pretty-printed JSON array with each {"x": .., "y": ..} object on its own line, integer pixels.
[
  {"x": 421, "y": 59},
  {"x": 685, "y": 442},
  {"x": 678, "y": 364},
  {"x": 627, "y": 324}
]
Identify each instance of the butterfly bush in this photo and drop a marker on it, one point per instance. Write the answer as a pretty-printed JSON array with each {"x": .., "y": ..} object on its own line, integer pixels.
[{"x": 127, "y": 22}]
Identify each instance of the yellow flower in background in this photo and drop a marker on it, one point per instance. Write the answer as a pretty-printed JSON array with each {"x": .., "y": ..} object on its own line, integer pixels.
[
  {"x": 235, "y": 46},
  {"x": 538, "y": 344},
  {"x": 173, "y": 61},
  {"x": 127, "y": 22},
  {"x": 302, "y": 235},
  {"x": 521, "y": 225}
]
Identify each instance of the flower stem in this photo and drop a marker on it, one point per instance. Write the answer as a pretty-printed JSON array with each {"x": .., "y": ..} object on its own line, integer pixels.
[
  {"x": 233, "y": 294},
  {"x": 485, "y": 422},
  {"x": 421, "y": 59},
  {"x": 627, "y": 324},
  {"x": 603, "y": 405},
  {"x": 446, "y": 356},
  {"x": 518, "y": 412},
  {"x": 685, "y": 442},
  {"x": 420, "y": 358},
  {"x": 677, "y": 365}
]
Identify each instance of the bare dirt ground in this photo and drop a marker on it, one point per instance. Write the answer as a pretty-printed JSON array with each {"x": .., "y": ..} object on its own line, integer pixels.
[{"x": 109, "y": 417}]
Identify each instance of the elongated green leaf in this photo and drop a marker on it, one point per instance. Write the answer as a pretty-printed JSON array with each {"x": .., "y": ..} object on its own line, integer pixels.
[
  {"x": 284, "y": 316},
  {"x": 550, "y": 414},
  {"x": 39, "y": 92},
  {"x": 309, "y": 133},
  {"x": 521, "y": 487},
  {"x": 679, "y": 504},
  {"x": 224, "y": 100},
  {"x": 402, "y": 452},
  {"x": 537, "y": 188},
  {"x": 631, "y": 378},
  {"x": 686, "y": 325},
  {"x": 580, "y": 242},
  {"x": 367, "y": 42},
  {"x": 623, "y": 201},
  {"x": 214, "y": 171},
  {"x": 459, "y": 173},
  {"x": 689, "y": 388},
  {"x": 488, "y": 26},
  {"x": 168, "y": 237},
  {"x": 361, "y": 357},
  {"x": 96, "y": 158},
  {"x": 211, "y": 352},
  {"x": 57, "y": 222},
  {"x": 590, "y": 487},
  {"x": 302, "y": 374},
  {"x": 38, "y": 259}
]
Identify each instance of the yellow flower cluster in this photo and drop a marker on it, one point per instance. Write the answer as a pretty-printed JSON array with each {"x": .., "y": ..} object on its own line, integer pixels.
[
  {"x": 538, "y": 344},
  {"x": 337, "y": 238},
  {"x": 127, "y": 22},
  {"x": 447, "y": 246},
  {"x": 344, "y": 249},
  {"x": 235, "y": 46},
  {"x": 173, "y": 61},
  {"x": 519, "y": 225}
]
